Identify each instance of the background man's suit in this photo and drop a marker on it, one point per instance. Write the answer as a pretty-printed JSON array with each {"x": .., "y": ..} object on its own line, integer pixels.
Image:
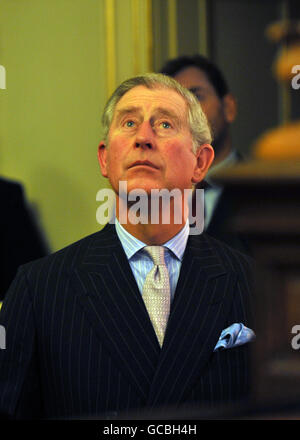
[
  {"x": 220, "y": 224},
  {"x": 20, "y": 239},
  {"x": 88, "y": 347}
]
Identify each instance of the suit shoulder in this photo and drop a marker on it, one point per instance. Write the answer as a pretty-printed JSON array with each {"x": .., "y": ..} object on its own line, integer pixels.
[
  {"x": 231, "y": 258},
  {"x": 66, "y": 258},
  {"x": 10, "y": 188}
]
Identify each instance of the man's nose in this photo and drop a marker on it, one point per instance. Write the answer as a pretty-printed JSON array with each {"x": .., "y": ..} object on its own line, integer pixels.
[{"x": 144, "y": 136}]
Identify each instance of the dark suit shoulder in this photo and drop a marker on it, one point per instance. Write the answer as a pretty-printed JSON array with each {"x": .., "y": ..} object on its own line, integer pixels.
[
  {"x": 241, "y": 264},
  {"x": 243, "y": 267},
  {"x": 10, "y": 189},
  {"x": 231, "y": 258},
  {"x": 72, "y": 255}
]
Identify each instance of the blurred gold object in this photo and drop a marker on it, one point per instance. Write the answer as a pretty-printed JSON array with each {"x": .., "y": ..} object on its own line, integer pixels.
[
  {"x": 283, "y": 142},
  {"x": 285, "y": 62},
  {"x": 286, "y": 33},
  {"x": 280, "y": 143}
]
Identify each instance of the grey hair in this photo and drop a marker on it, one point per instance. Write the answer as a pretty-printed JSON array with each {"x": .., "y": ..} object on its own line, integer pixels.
[{"x": 197, "y": 120}]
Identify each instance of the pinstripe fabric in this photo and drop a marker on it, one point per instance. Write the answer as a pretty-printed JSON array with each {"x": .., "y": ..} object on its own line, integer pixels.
[
  {"x": 141, "y": 263},
  {"x": 80, "y": 341}
]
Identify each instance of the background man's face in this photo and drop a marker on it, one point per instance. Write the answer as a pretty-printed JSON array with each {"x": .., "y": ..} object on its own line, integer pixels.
[
  {"x": 196, "y": 81},
  {"x": 150, "y": 144}
]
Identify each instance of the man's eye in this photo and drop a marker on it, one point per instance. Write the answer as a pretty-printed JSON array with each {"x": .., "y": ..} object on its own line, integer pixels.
[
  {"x": 199, "y": 97},
  {"x": 129, "y": 124},
  {"x": 165, "y": 124}
]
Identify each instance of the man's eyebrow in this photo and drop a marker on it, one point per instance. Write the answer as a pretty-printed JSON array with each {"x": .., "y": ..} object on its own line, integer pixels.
[
  {"x": 196, "y": 89},
  {"x": 127, "y": 110},
  {"x": 160, "y": 111}
]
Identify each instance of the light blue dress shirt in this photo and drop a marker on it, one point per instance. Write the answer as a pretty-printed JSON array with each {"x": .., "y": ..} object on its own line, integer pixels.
[{"x": 141, "y": 263}]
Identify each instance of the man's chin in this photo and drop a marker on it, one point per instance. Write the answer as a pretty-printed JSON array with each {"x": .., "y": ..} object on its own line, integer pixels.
[
  {"x": 134, "y": 193},
  {"x": 141, "y": 186}
]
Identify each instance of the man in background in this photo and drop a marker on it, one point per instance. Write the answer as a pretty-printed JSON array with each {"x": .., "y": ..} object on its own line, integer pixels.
[
  {"x": 21, "y": 240},
  {"x": 205, "y": 80}
]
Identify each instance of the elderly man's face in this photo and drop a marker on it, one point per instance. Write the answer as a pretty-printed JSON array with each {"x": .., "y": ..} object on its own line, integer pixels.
[{"x": 150, "y": 144}]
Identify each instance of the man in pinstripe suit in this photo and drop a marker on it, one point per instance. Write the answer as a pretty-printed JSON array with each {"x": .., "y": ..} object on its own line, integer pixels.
[{"x": 79, "y": 340}]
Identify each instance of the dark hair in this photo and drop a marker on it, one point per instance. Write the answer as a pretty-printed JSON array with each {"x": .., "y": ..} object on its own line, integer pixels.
[{"x": 213, "y": 73}]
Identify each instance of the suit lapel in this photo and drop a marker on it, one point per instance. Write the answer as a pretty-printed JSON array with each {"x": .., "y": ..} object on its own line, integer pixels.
[
  {"x": 110, "y": 297},
  {"x": 202, "y": 301},
  {"x": 108, "y": 293}
]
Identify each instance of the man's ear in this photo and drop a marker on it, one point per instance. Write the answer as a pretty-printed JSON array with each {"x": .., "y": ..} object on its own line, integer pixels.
[
  {"x": 102, "y": 159},
  {"x": 230, "y": 107},
  {"x": 205, "y": 156}
]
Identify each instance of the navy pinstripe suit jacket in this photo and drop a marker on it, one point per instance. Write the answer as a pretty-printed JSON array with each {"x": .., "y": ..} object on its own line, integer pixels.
[{"x": 79, "y": 341}]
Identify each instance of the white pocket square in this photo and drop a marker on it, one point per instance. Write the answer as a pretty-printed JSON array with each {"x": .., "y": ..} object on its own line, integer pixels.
[{"x": 234, "y": 335}]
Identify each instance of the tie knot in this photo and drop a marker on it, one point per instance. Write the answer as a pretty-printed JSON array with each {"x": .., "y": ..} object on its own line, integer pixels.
[{"x": 157, "y": 254}]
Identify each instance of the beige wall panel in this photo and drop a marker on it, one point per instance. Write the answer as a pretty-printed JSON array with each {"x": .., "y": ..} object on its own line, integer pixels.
[
  {"x": 61, "y": 60},
  {"x": 54, "y": 52}
]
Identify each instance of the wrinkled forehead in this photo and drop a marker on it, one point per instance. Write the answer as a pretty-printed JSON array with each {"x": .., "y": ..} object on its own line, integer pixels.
[{"x": 148, "y": 100}]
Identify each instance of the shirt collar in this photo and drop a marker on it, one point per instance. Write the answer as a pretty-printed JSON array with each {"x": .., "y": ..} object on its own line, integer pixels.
[{"x": 132, "y": 245}]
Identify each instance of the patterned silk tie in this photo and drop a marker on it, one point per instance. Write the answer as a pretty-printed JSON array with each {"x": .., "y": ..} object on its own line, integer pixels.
[{"x": 156, "y": 291}]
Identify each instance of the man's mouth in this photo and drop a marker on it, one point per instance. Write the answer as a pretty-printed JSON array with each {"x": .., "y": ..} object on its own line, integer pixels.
[{"x": 146, "y": 163}]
